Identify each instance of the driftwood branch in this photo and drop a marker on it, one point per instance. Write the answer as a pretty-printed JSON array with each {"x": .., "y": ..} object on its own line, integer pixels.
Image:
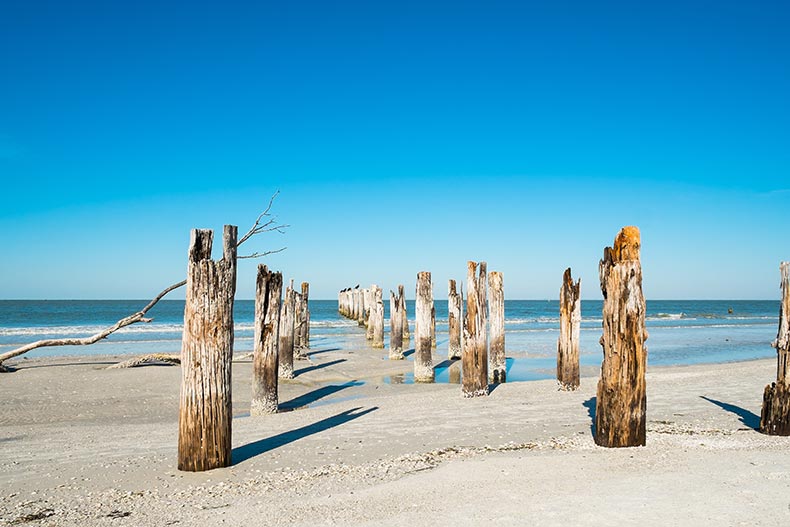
[
  {"x": 257, "y": 228},
  {"x": 153, "y": 358}
]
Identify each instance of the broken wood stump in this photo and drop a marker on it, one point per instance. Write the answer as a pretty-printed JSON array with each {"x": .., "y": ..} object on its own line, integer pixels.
[
  {"x": 405, "y": 316},
  {"x": 622, "y": 400},
  {"x": 285, "y": 346},
  {"x": 268, "y": 288},
  {"x": 205, "y": 413},
  {"x": 454, "y": 322},
  {"x": 377, "y": 317},
  {"x": 423, "y": 360},
  {"x": 775, "y": 415},
  {"x": 396, "y": 327},
  {"x": 497, "y": 366},
  {"x": 475, "y": 347},
  {"x": 570, "y": 324}
]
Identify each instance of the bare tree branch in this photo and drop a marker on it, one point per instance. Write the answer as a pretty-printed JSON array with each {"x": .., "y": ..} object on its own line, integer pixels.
[{"x": 268, "y": 226}]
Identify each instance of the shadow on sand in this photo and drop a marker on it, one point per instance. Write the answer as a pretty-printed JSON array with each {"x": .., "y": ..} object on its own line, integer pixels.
[
  {"x": 315, "y": 395},
  {"x": 302, "y": 371},
  {"x": 746, "y": 417},
  {"x": 250, "y": 450},
  {"x": 590, "y": 405},
  {"x": 316, "y": 352}
]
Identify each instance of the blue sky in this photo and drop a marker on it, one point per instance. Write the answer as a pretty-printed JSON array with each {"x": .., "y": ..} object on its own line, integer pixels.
[{"x": 403, "y": 136}]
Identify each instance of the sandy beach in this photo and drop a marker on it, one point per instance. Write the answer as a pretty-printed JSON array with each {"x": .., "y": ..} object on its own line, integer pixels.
[{"x": 83, "y": 445}]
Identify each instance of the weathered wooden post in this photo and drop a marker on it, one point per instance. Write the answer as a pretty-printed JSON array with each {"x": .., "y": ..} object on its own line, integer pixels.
[
  {"x": 622, "y": 400},
  {"x": 298, "y": 352},
  {"x": 775, "y": 415},
  {"x": 205, "y": 413},
  {"x": 423, "y": 361},
  {"x": 454, "y": 322},
  {"x": 396, "y": 328},
  {"x": 377, "y": 317},
  {"x": 305, "y": 340},
  {"x": 405, "y": 317},
  {"x": 475, "y": 348},
  {"x": 497, "y": 366},
  {"x": 268, "y": 289},
  {"x": 433, "y": 324},
  {"x": 362, "y": 315},
  {"x": 370, "y": 302},
  {"x": 285, "y": 349},
  {"x": 570, "y": 324}
]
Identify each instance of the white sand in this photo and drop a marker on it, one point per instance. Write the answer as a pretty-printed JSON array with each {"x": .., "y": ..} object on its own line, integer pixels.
[{"x": 81, "y": 445}]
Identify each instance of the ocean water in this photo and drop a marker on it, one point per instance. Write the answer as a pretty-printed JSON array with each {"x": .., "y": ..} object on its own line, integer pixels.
[{"x": 680, "y": 331}]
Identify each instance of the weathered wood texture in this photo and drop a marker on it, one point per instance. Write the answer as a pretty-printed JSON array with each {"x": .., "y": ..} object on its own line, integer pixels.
[
  {"x": 497, "y": 365},
  {"x": 205, "y": 413},
  {"x": 299, "y": 303},
  {"x": 475, "y": 347},
  {"x": 775, "y": 415},
  {"x": 570, "y": 324},
  {"x": 433, "y": 325},
  {"x": 266, "y": 333},
  {"x": 305, "y": 316},
  {"x": 454, "y": 322},
  {"x": 396, "y": 328},
  {"x": 620, "y": 411},
  {"x": 405, "y": 316},
  {"x": 370, "y": 302},
  {"x": 423, "y": 361},
  {"x": 362, "y": 307},
  {"x": 285, "y": 350},
  {"x": 377, "y": 317}
]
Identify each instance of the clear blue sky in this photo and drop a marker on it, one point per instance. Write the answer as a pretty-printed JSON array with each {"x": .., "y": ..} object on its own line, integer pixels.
[{"x": 404, "y": 136}]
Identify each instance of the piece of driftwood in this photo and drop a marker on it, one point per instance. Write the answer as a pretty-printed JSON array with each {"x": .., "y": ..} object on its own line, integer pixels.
[
  {"x": 775, "y": 415},
  {"x": 497, "y": 364},
  {"x": 285, "y": 345},
  {"x": 475, "y": 347},
  {"x": 377, "y": 317},
  {"x": 454, "y": 322},
  {"x": 423, "y": 360},
  {"x": 396, "y": 328},
  {"x": 146, "y": 360},
  {"x": 620, "y": 410},
  {"x": 570, "y": 324},
  {"x": 204, "y": 418},
  {"x": 266, "y": 332},
  {"x": 265, "y": 223}
]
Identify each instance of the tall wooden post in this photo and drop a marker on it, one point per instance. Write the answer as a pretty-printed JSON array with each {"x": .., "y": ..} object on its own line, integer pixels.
[
  {"x": 377, "y": 318},
  {"x": 475, "y": 347},
  {"x": 285, "y": 350},
  {"x": 268, "y": 289},
  {"x": 433, "y": 324},
  {"x": 775, "y": 416},
  {"x": 570, "y": 325},
  {"x": 405, "y": 316},
  {"x": 370, "y": 302},
  {"x": 299, "y": 306},
  {"x": 497, "y": 365},
  {"x": 622, "y": 400},
  {"x": 396, "y": 328},
  {"x": 305, "y": 315},
  {"x": 205, "y": 413},
  {"x": 423, "y": 361},
  {"x": 362, "y": 315},
  {"x": 454, "y": 322}
]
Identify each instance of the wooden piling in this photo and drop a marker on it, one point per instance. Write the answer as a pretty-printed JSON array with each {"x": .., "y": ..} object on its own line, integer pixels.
[
  {"x": 299, "y": 307},
  {"x": 775, "y": 415},
  {"x": 433, "y": 325},
  {"x": 265, "y": 336},
  {"x": 396, "y": 328},
  {"x": 370, "y": 302},
  {"x": 405, "y": 316},
  {"x": 475, "y": 347},
  {"x": 454, "y": 322},
  {"x": 205, "y": 413},
  {"x": 570, "y": 324},
  {"x": 423, "y": 361},
  {"x": 377, "y": 318},
  {"x": 497, "y": 364},
  {"x": 286, "y": 341},
  {"x": 620, "y": 411},
  {"x": 305, "y": 317}
]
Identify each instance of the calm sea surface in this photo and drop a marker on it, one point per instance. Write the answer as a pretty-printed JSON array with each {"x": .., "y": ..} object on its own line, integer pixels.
[{"x": 681, "y": 332}]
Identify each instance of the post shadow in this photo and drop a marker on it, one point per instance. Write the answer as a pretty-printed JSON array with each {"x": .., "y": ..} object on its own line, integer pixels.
[
  {"x": 250, "y": 450},
  {"x": 321, "y": 351},
  {"x": 748, "y": 418},
  {"x": 590, "y": 405},
  {"x": 408, "y": 352},
  {"x": 311, "y": 397},
  {"x": 302, "y": 371}
]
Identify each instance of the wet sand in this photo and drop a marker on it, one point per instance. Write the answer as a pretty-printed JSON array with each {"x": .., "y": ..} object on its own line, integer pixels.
[{"x": 82, "y": 445}]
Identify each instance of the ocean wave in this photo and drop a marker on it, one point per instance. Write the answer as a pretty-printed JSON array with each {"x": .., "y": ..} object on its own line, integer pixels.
[{"x": 671, "y": 316}]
